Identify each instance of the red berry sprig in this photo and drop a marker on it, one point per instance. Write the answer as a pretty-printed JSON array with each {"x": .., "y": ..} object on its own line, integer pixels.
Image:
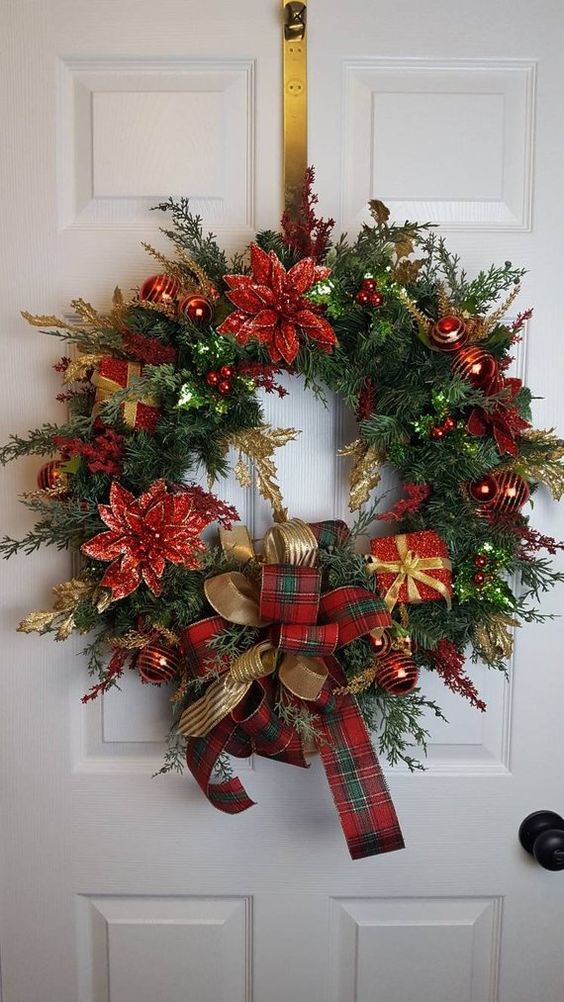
[
  {"x": 368, "y": 294},
  {"x": 220, "y": 380},
  {"x": 438, "y": 431}
]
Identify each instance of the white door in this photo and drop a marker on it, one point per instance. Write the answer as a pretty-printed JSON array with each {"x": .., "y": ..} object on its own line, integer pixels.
[{"x": 120, "y": 888}]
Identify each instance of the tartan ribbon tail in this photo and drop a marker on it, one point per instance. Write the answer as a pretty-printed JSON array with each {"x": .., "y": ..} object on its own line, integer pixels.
[
  {"x": 360, "y": 792},
  {"x": 202, "y": 754}
]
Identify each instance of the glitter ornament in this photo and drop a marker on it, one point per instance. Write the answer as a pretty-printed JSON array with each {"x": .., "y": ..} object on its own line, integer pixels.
[
  {"x": 157, "y": 664},
  {"x": 224, "y": 387},
  {"x": 51, "y": 477},
  {"x": 196, "y": 308},
  {"x": 448, "y": 334},
  {"x": 483, "y": 491},
  {"x": 397, "y": 674},
  {"x": 212, "y": 378},
  {"x": 477, "y": 367},
  {"x": 159, "y": 289}
]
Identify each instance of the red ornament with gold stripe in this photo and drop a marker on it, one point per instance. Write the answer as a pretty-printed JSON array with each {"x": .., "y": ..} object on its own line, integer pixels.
[
  {"x": 157, "y": 664},
  {"x": 477, "y": 367},
  {"x": 501, "y": 492},
  {"x": 397, "y": 673},
  {"x": 159, "y": 289},
  {"x": 448, "y": 333},
  {"x": 51, "y": 477}
]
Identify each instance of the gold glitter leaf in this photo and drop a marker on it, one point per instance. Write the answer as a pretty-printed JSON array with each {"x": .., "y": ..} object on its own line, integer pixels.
[
  {"x": 365, "y": 475},
  {"x": 259, "y": 444},
  {"x": 80, "y": 366},
  {"x": 493, "y": 637},
  {"x": 46, "y": 320}
]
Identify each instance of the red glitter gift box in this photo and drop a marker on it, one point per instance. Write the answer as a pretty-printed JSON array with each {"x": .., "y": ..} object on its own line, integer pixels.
[
  {"x": 413, "y": 567},
  {"x": 114, "y": 374}
]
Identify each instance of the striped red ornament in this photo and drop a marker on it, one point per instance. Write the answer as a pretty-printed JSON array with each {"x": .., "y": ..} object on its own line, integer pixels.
[
  {"x": 448, "y": 334},
  {"x": 397, "y": 673},
  {"x": 51, "y": 477},
  {"x": 157, "y": 664},
  {"x": 477, "y": 367},
  {"x": 505, "y": 491},
  {"x": 380, "y": 645},
  {"x": 159, "y": 289}
]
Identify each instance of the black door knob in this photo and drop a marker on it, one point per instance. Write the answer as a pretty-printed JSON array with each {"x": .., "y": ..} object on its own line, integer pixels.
[{"x": 542, "y": 835}]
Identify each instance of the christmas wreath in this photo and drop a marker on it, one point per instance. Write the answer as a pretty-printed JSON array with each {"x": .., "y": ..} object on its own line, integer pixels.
[{"x": 299, "y": 642}]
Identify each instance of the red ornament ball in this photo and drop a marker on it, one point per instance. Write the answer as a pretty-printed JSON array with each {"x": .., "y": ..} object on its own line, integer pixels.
[
  {"x": 376, "y": 299},
  {"x": 363, "y": 297},
  {"x": 380, "y": 645},
  {"x": 159, "y": 289},
  {"x": 198, "y": 309},
  {"x": 226, "y": 371},
  {"x": 51, "y": 477},
  {"x": 479, "y": 578},
  {"x": 476, "y": 366},
  {"x": 512, "y": 492},
  {"x": 224, "y": 387},
  {"x": 483, "y": 491},
  {"x": 449, "y": 424},
  {"x": 369, "y": 284},
  {"x": 437, "y": 432},
  {"x": 397, "y": 674},
  {"x": 480, "y": 560},
  {"x": 212, "y": 378},
  {"x": 157, "y": 664},
  {"x": 448, "y": 334}
]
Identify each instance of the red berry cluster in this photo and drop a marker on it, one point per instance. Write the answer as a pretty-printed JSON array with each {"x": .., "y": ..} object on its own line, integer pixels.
[
  {"x": 438, "y": 431},
  {"x": 368, "y": 294},
  {"x": 480, "y": 561},
  {"x": 221, "y": 380}
]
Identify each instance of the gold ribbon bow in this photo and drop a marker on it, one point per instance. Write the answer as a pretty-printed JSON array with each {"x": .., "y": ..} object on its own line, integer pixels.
[
  {"x": 410, "y": 568},
  {"x": 236, "y": 599},
  {"x": 106, "y": 387}
]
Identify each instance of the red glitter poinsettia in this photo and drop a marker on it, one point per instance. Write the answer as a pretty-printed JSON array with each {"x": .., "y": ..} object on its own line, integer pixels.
[
  {"x": 271, "y": 306},
  {"x": 503, "y": 422},
  {"x": 146, "y": 533}
]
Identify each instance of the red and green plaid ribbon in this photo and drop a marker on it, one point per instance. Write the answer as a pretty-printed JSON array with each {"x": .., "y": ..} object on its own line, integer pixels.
[
  {"x": 356, "y": 611},
  {"x": 290, "y": 594}
]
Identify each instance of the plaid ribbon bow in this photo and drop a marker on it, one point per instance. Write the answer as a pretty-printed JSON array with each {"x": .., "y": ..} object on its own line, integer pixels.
[{"x": 301, "y": 629}]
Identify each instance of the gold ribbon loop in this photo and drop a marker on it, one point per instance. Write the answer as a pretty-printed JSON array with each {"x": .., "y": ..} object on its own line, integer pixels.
[
  {"x": 235, "y": 598},
  {"x": 290, "y": 542},
  {"x": 237, "y": 544},
  {"x": 303, "y": 676}
]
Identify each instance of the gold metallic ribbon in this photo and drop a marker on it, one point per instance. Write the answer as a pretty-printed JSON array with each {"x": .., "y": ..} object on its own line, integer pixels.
[
  {"x": 105, "y": 388},
  {"x": 295, "y": 102},
  {"x": 410, "y": 568},
  {"x": 237, "y": 599}
]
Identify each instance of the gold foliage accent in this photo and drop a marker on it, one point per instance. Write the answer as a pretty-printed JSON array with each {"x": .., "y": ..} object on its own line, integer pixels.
[
  {"x": 259, "y": 444},
  {"x": 199, "y": 282},
  {"x": 68, "y": 597},
  {"x": 493, "y": 637},
  {"x": 543, "y": 463},
  {"x": 379, "y": 212},
  {"x": 243, "y": 473},
  {"x": 491, "y": 321},
  {"x": 365, "y": 475},
  {"x": 414, "y": 311},
  {"x": 80, "y": 366},
  {"x": 359, "y": 683},
  {"x": 46, "y": 320}
]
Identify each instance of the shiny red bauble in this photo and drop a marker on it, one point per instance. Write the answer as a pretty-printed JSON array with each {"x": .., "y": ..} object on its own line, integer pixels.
[
  {"x": 477, "y": 367},
  {"x": 380, "y": 645},
  {"x": 396, "y": 673},
  {"x": 437, "y": 432},
  {"x": 501, "y": 492},
  {"x": 376, "y": 299},
  {"x": 198, "y": 309},
  {"x": 157, "y": 664},
  {"x": 449, "y": 424},
  {"x": 159, "y": 289},
  {"x": 369, "y": 284},
  {"x": 448, "y": 334},
  {"x": 212, "y": 378},
  {"x": 363, "y": 297},
  {"x": 224, "y": 387},
  {"x": 226, "y": 371},
  {"x": 51, "y": 477},
  {"x": 483, "y": 491},
  {"x": 480, "y": 560},
  {"x": 479, "y": 578}
]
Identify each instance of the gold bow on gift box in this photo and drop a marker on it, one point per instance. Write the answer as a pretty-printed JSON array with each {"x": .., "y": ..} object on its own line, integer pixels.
[
  {"x": 410, "y": 568},
  {"x": 288, "y": 601}
]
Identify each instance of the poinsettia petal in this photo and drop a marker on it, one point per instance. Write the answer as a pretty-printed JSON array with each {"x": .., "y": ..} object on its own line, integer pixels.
[
  {"x": 266, "y": 318},
  {"x": 246, "y": 300},
  {"x": 504, "y": 442},
  {"x": 261, "y": 265},
  {"x": 317, "y": 329},
  {"x": 182, "y": 507},
  {"x": 121, "y": 584},
  {"x": 156, "y": 517},
  {"x": 134, "y": 522},
  {"x": 119, "y": 497},
  {"x": 476, "y": 424},
  {"x": 156, "y": 490},
  {"x": 265, "y": 294},
  {"x": 113, "y": 519},
  {"x": 301, "y": 276},
  {"x": 105, "y": 546},
  {"x": 321, "y": 273},
  {"x": 232, "y": 324},
  {"x": 238, "y": 281},
  {"x": 157, "y": 562},
  {"x": 287, "y": 341},
  {"x": 279, "y": 277},
  {"x": 151, "y": 580}
]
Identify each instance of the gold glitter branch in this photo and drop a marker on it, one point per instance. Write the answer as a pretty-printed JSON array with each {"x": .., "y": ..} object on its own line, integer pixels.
[
  {"x": 543, "y": 462},
  {"x": 259, "y": 445},
  {"x": 365, "y": 475},
  {"x": 493, "y": 638},
  {"x": 61, "y": 617}
]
